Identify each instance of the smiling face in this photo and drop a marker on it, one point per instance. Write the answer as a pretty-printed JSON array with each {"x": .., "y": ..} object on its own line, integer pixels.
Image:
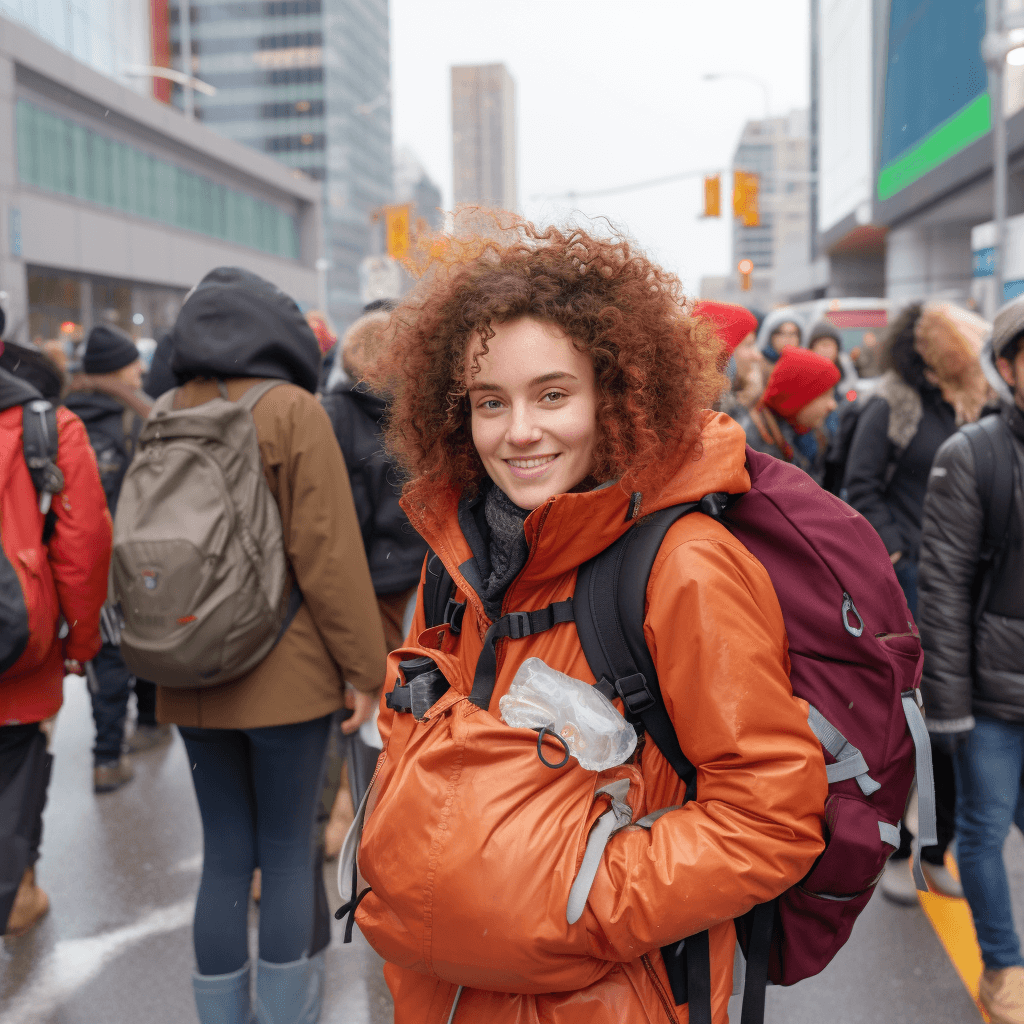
[{"x": 533, "y": 402}]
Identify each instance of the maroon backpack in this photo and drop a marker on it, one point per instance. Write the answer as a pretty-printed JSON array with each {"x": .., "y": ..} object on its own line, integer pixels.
[{"x": 855, "y": 658}]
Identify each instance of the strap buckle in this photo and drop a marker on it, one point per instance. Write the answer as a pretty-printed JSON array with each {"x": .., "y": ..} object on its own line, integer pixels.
[
  {"x": 635, "y": 693},
  {"x": 453, "y": 613},
  {"x": 518, "y": 625}
]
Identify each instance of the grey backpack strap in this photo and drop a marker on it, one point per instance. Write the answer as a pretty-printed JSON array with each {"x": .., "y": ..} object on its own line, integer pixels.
[
  {"x": 256, "y": 392},
  {"x": 164, "y": 404}
]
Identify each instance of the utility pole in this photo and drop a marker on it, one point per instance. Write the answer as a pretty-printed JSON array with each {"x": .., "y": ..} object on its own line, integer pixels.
[{"x": 185, "y": 38}]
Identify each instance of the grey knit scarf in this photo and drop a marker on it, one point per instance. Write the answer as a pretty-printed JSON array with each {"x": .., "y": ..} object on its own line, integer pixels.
[{"x": 508, "y": 549}]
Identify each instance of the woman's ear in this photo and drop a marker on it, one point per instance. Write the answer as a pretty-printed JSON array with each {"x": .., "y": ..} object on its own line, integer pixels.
[{"x": 1005, "y": 368}]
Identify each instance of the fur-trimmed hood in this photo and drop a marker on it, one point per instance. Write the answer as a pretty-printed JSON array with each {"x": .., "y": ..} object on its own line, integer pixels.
[{"x": 905, "y": 408}]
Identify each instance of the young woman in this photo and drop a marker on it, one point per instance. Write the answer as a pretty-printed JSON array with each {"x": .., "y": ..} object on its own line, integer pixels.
[
  {"x": 537, "y": 385},
  {"x": 256, "y": 744}
]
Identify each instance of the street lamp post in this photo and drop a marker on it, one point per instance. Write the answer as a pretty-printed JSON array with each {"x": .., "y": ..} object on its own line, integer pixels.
[
  {"x": 185, "y": 38},
  {"x": 994, "y": 51}
]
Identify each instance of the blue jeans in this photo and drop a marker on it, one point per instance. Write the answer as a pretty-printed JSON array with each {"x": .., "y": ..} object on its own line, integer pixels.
[
  {"x": 110, "y": 702},
  {"x": 989, "y": 798},
  {"x": 258, "y": 791},
  {"x": 906, "y": 575}
]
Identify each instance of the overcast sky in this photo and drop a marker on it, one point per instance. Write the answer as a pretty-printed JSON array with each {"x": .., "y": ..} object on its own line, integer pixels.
[{"x": 609, "y": 92}]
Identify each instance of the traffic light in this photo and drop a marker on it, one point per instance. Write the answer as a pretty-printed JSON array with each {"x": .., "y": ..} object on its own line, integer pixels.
[
  {"x": 713, "y": 195},
  {"x": 746, "y": 268},
  {"x": 397, "y": 226},
  {"x": 745, "y": 188}
]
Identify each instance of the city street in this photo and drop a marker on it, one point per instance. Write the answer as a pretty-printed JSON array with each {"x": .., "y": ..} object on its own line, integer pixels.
[{"x": 122, "y": 871}]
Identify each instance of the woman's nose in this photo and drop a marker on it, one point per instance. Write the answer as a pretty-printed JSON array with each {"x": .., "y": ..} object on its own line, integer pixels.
[{"x": 522, "y": 428}]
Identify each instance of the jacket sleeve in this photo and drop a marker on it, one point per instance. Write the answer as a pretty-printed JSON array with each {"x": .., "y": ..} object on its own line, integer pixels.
[
  {"x": 79, "y": 550},
  {"x": 325, "y": 547},
  {"x": 755, "y": 827},
  {"x": 866, "y": 465},
  {"x": 951, "y": 536}
]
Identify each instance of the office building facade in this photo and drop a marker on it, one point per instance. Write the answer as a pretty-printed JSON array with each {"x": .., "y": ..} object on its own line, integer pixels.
[
  {"x": 113, "y": 205},
  {"x": 306, "y": 82},
  {"x": 484, "y": 136}
]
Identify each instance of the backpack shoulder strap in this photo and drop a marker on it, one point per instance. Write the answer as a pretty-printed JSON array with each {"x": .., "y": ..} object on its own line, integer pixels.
[
  {"x": 40, "y": 441},
  {"x": 993, "y": 467},
  {"x": 256, "y": 392},
  {"x": 438, "y": 587},
  {"x": 609, "y": 604}
]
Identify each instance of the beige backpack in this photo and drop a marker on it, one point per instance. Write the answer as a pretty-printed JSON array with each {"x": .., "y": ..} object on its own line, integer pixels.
[{"x": 198, "y": 561}]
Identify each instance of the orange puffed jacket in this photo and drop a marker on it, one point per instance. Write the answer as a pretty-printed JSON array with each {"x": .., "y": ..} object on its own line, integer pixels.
[
  {"x": 67, "y": 576},
  {"x": 715, "y": 630}
]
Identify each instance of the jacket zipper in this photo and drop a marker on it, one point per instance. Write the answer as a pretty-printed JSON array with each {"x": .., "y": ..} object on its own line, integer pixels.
[
  {"x": 500, "y": 653},
  {"x": 656, "y": 982}
]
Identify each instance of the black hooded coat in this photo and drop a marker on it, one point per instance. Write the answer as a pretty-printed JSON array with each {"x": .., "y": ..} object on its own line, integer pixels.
[
  {"x": 394, "y": 549},
  {"x": 235, "y": 324}
]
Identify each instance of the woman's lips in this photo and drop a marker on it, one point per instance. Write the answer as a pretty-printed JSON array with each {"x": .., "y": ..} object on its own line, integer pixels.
[{"x": 529, "y": 469}]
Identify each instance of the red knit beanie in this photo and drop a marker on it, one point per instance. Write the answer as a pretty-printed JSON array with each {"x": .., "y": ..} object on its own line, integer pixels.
[
  {"x": 799, "y": 377},
  {"x": 732, "y": 323}
]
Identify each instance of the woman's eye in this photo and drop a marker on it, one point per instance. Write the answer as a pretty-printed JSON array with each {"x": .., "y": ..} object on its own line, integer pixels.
[
  {"x": 490, "y": 404},
  {"x": 553, "y": 396}
]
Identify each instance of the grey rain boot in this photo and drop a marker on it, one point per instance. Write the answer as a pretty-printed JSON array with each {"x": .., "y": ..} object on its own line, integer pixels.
[
  {"x": 223, "y": 998},
  {"x": 290, "y": 993}
]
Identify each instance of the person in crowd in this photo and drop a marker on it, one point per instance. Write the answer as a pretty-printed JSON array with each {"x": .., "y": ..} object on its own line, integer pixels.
[
  {"x": 256, "y": 745},
  {"x": 973, "y": 638},
  {"x": 537, "y": 381},
  {"x": 746, "y": 367},
  {"x": 107, "y": 396},
  {"x": 159, "y": 378},
  {"x": 328, "y": 342},
  {"x": 825, "y": 340},
  {"x": 778, "y": 331},
  {"x": 36, "y": 367},
  {"x": 932, "y": 382},
  {"x": 797, "y": 400},
  {"x": 394, "y": 550},
  {"x": 71, "y": 560}
]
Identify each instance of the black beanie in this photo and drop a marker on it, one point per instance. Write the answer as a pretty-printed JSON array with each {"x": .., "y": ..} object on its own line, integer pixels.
[{"x": 108, "y": 349}]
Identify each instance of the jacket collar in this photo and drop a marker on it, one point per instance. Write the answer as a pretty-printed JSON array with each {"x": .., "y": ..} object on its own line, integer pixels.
[{"x": 570, "y": 529}]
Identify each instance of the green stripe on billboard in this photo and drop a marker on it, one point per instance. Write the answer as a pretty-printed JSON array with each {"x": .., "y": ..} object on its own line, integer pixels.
[{"x": 967, "y": 125}]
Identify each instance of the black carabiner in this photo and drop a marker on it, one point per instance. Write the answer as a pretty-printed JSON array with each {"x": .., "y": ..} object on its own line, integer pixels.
[{"x": 540, "y": 751}]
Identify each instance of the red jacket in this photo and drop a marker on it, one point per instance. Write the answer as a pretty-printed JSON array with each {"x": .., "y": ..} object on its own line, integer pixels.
[{"x": 67, "y": 576}]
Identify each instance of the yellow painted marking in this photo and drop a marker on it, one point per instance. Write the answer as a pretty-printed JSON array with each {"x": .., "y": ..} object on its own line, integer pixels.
[{"x": 952, "y": 922}]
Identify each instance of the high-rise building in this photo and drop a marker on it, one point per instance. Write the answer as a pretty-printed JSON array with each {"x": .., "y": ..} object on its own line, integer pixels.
[
  {"x": 413, "y": 185},
  {"x": 111, "y": 36},
  {"x": 307, "y": 82},
  {"x": 484, "y": 136}
]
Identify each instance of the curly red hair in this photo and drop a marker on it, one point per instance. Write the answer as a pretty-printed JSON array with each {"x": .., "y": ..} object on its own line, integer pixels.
[{"x": 656, "y": 364}]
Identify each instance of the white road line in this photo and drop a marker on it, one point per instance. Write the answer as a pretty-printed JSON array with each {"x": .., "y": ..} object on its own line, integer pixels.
[{"x": 73, "y": 963}]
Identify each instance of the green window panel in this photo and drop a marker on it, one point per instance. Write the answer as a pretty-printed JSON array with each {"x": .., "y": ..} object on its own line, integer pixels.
[{"x": 63, "y": 156}]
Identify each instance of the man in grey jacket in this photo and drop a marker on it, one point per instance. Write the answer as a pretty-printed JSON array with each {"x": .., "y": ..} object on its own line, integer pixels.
[{"x": 972, "y": 627}]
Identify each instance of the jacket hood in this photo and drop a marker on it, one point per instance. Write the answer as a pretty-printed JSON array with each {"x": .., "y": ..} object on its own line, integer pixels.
[
  {"x": 235, "y": 324},
  {"x": 91, "y": 406},
  {"x": 371, "y": 405},
  {"x": 570, "y": 529},
  {"x": 768, "y": 324}
]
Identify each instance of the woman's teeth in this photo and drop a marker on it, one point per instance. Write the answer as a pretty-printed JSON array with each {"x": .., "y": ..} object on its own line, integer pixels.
[{"x": 530, "y": 463}]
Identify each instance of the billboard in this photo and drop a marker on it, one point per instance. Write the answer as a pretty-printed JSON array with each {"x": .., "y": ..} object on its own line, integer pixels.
[
  {"x": 936, "y": 101},
  {"x": 844, "y": 119}
]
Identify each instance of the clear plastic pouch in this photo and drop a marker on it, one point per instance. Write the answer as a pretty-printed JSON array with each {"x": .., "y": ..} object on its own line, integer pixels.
[{"x": 594, "y": 731}]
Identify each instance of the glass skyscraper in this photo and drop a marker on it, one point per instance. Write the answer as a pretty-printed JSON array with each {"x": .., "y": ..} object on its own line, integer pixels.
[{"x": 308, "y": 82}]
